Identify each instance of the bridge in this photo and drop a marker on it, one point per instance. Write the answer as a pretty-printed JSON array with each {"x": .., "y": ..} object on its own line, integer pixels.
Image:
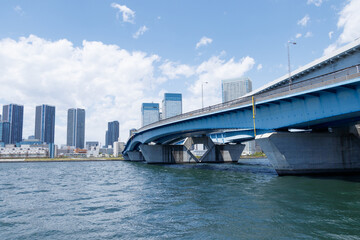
[{"x": 305, "y": 123}]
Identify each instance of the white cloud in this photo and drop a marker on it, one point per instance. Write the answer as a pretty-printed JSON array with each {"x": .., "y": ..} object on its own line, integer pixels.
[
  {"x": 315, "y": 2},
  {"x": 19, "y": 10},
  {"x": 331, "y": 34},
  {"x": 298, "y": 35},
  {"x": 349, "y": 22},
  {"x": 259, "y": 67},
  {"x": 308, "y": 34},
  {"x": 173, "y": 70},
  {"x": 203, "y": 42},
  {"x": 109, "y": 82},
  {"x": 304, "y": 21},
  {"x": 213, "y": 71},
  {"x": 140, "y": 32},
  {"x": 128, "y": 15}
]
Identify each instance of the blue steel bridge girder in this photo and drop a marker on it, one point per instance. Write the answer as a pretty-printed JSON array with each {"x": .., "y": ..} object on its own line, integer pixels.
[{"x": 323, "y": 106}]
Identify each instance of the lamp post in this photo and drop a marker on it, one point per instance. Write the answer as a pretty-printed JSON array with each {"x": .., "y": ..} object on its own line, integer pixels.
[
  {"x": 288, "y": 49},
  {"x": 202, "y": 94}
]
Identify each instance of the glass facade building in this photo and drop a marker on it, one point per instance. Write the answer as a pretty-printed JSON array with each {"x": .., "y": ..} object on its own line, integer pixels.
[
  {"x": 235, "y": 88},
  {"x": 76, "y": 128},
  {"x": 4, "y": 132},
  {"x": 149, "y": 113},
  {"x": 45, "y": 123},
  {"x": 14, "y": 114},
  {"x": 112, "y": 134},
  {"x": 171, "y": 105}
]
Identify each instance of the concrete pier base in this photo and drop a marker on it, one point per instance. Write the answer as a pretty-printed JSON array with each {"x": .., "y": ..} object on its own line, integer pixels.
[
  {"x": 183, "y": 154},
  {"x": 165, "y": 153},
  {"x": 135, "y": 156},
  {"x": 126, "y": 157},
  {"x": 311, "y": 153}
]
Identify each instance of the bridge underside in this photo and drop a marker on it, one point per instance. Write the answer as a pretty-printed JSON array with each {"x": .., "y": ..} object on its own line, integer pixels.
[{"x": 328, "y": 110}]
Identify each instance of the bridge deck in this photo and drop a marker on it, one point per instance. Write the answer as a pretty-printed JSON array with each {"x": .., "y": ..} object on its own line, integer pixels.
[{"x": 281, "y": 91}]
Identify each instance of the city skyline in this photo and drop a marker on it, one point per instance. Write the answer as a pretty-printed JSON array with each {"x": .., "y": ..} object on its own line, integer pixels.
[{"x": 125, "y": 59}]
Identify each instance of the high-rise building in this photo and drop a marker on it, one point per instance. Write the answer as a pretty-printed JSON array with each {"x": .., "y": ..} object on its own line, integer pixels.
[
  {"x": 45, "y": 123},
  {"x": 235, "y": 88},
  {"x": 14, "y": 114},
  {"x": 149, "y": 113},
  {"x": 4, "y": 132},
  {"x": 171, "y": 105},
  {"x": 76, "y": 128},
  {"x": 112, "y": 134}
]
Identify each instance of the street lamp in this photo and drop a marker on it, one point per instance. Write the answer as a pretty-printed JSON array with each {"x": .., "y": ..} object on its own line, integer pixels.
[
  {"x": 202, "y": 94},
  {"x": 288, "y": 49}
]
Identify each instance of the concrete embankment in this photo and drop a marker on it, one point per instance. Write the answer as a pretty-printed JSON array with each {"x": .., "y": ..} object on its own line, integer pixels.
[{"x": 12, "y": 160}]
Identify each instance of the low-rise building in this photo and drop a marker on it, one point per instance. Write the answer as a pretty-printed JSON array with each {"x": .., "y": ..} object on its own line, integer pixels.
[{"x": 24, "y": 151}]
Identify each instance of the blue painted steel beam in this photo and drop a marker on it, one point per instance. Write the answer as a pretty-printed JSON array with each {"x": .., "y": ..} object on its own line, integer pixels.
[{"x": 323, "y": 106}]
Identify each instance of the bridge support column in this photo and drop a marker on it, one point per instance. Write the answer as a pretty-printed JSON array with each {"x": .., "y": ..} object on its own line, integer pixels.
[
  {"x": 311, "y": 153},
  {"x": 135, "y": 156},
  {"x": 126, "y": 157},
  {"x": 183, "y": 154},
  {"x": 229, "y": 153},
  {"x": 164, "y": 153}
]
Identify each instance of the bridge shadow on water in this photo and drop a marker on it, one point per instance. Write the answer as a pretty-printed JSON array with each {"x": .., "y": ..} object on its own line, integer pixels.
[
  {"x": 245, "y": 166},
  {"x": 258, "y": 166}
]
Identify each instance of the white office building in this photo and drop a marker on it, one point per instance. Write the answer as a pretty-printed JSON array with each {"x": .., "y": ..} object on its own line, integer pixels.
[
  {"x": 171, "y": 105},
  {"x": 149, "y": 113},
  {"x": 235, "y": 88}
]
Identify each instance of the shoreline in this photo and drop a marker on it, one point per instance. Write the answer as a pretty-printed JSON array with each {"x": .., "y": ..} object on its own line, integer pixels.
[{"x": 29, "y": 160}]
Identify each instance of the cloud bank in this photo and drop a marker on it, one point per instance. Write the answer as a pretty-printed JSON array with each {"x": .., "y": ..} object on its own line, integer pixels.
[{"x": 106, "y": 80}]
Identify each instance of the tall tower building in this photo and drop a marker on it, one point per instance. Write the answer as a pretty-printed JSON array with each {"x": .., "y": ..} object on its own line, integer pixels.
[
  {"x": 4, "y": 132},
  {"x": 76, "y": 128},
  {"x": 235, "y": 88},
  {"x": 112, "y": 134},
  {"x": 14, "y": 114},
  {"x": 171, "y": 105},
  {"x": 45, "y": 123},
  {"x": 149, "y": 113}
]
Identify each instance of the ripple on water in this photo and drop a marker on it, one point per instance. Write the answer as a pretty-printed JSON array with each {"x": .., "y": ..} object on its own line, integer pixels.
[{"x": 124, "y": 200}]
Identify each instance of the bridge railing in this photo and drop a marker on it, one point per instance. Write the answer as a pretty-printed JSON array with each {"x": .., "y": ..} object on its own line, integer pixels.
[{"x": 338, "y": 76}]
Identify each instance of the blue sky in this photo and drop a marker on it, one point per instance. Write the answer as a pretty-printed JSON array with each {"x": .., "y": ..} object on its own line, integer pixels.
[{"x": 87, "y": 53}]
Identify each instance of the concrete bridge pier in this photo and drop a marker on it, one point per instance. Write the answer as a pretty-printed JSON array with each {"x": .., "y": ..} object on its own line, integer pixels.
[
  {"x": 126, "y": 157},
  {"x": 312, "y": 153},
  {"x": 135, "y": 156},
  {"x": 183, "y": 153}
]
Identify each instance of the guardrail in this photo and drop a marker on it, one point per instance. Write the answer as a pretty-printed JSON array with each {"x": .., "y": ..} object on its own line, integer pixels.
[{"x": 338, "y": 76}]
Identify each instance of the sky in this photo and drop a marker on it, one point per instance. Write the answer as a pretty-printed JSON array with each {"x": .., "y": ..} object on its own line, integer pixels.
[{"x": 108, "y": 57}]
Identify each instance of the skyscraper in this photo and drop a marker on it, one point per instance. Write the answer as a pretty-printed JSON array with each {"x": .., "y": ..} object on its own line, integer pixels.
[
  {"x": 4, "y": 132},
  {"x": 14, "y": 114},
  {"x": 149, "y": 113},
  {"x": 235, "y": 88},
  {"x": 76, "y": 128},
  {"x": 45, "y": 123},
  {"x": 172, "y": 105},
  {"x": 112, "y": 134}
]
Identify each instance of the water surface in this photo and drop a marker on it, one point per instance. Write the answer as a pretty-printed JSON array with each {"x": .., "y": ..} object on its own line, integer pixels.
[{"x": 125, "y": 200}]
